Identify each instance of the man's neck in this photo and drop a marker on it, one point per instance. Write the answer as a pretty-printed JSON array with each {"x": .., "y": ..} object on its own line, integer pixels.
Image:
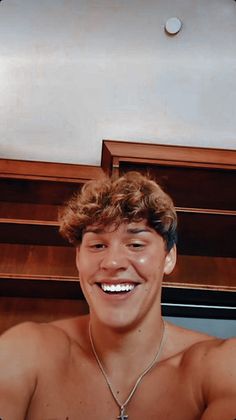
[{"x": 127, "y": 351}]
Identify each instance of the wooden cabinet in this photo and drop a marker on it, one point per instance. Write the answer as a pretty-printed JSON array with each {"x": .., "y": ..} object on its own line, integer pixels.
[
  {"x": 35, "y": 260},
  {"x": 202, "y": 183}
]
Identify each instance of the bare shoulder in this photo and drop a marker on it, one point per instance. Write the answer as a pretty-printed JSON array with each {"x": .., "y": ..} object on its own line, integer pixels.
[
  {"x": 27, "y": 349},
  {"x": 207, "y": 354},
  {"x": 29, "y": 340},
  {"x": 213, "y": 352},
  {"x": 31, "y": 337},
  {"x": 19, "y": 338},
  {"x": 211, "y": 364},
  {"x": 29, "y": 333},
  {"x": 184, "y": 342},
  {"x": 26, "y": 352},
  {"x": 218, "y": 359},
  {"x": 18, "y": 369},
  {"x": 197, "y": 345},
  {"x": 219, "y": 379}
]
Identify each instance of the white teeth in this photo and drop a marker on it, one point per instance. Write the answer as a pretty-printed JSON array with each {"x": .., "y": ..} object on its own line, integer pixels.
[{"x": 123, "y": 287}]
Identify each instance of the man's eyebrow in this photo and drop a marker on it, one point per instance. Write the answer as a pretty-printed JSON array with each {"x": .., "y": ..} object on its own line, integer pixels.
[
  {"x": 92, "y": 230},
  {"x": 131, "y": 230},
  {"x": 138, "y": 230}
]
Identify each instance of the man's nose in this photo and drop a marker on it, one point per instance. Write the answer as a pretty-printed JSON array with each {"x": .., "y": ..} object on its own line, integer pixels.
[{"x": 114, "y": 258}]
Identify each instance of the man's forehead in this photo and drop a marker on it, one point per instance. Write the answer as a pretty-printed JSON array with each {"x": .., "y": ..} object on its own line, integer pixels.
[{"x": 129, "y": 227}]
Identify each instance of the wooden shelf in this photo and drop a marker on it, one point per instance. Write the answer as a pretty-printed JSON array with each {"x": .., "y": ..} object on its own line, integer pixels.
[
  {"x": 38, "y": 271},
  {"x": 31, "y": 195},
  {"x": 42, "y": 192},
  {"x": 28, "y": 212},
  {"x": 203, "y": 187},
  {"x": 36, "y": 233},
  {"x": 201, "y": 182},
  {"x": 35, "y": 261},
  {"x": 203, "y": 272},
  {"x": 209, "y": 234}
]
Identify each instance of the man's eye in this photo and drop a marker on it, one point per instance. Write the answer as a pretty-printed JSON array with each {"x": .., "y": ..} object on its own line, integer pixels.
[
  {"x": 97, "y": 246},
  {"x": 136, "y": 245}
]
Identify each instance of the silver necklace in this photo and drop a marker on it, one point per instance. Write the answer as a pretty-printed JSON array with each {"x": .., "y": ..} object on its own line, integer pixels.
[{"x": 123, "y": 415}]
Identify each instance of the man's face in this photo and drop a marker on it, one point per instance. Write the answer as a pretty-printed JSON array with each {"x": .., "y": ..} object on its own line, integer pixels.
[{"x": 121, "y": 272}]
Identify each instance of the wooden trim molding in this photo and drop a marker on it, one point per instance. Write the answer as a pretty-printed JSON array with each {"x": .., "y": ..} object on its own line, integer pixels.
[
  {"x": 64, "y": 172},
  {"x": 116, "y": 151}
]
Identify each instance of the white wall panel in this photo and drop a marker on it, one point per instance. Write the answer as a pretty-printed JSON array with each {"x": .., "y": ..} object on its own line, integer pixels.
[{"x": 74, "y": 72}]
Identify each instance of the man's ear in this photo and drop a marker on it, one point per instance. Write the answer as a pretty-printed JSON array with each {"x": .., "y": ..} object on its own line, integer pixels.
[
  {"x": 170, "y": 260},
  {"x": 77, "y": 257}
]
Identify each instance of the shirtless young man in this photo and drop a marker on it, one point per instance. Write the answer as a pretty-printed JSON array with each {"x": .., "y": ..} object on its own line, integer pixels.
[{"x": 121, "y": 361}]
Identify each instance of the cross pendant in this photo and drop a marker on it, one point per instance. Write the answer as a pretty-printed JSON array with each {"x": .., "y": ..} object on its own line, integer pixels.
[{"x": 122, "y": 415}]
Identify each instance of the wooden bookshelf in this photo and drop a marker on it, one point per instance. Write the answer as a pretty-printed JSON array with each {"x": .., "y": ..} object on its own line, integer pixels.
[
  {"x": 201, "y": 182},
  {"x": 35, "y": 260}
]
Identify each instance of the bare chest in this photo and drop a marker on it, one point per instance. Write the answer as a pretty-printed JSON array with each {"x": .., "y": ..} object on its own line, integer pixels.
[{"x": 81, "y": 392}]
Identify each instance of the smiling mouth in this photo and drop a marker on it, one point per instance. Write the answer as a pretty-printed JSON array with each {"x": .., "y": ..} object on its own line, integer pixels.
[{"x": 117, "y": 288}]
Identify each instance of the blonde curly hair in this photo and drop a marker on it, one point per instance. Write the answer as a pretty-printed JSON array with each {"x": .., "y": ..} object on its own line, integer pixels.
[{"x": 130, "y": 198}]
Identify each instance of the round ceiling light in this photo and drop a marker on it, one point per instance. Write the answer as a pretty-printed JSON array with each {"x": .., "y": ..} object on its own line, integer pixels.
[{"x": 173, "y": 25}]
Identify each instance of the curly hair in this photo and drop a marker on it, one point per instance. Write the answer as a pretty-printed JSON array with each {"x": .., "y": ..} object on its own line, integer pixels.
[{"x": 130, "y": 198}]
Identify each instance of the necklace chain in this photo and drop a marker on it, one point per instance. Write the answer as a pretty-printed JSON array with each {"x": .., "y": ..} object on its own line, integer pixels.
[{"x": 148, "y": 368}]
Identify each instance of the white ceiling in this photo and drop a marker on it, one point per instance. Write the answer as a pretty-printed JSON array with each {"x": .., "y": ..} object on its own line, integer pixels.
[{"x": 75, "y": 72}]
